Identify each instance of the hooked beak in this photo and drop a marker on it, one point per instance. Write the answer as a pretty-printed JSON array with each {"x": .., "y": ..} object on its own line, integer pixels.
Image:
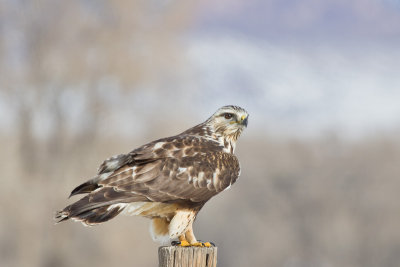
[{"x": 244, "y": 120}]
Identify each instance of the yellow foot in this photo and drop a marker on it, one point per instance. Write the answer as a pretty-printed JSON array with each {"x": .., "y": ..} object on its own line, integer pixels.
[
  {"x": 207, "y": 244},
  {"x": 185, "y": 243},
  {"x": 201, "y": 244},
  {"x": 182, "y": 243}
]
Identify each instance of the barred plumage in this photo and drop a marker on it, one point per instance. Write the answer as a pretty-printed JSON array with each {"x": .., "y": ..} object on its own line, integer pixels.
[{"x": 167, "y": 180}]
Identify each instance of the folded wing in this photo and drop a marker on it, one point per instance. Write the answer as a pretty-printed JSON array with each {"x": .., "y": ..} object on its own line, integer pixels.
[{"x": 184, "y": 169}]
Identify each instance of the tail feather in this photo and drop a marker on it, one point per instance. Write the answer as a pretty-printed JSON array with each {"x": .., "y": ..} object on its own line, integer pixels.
[
  {"x": 99, "y": 215},
  {"x": 98, "y": 207},
  {"x": 87, "y": 187},
  {"x": 88, "y": 214}
]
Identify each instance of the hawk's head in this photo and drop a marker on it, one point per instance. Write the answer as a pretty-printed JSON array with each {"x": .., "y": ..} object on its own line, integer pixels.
[{"x": 229, "y": 121}]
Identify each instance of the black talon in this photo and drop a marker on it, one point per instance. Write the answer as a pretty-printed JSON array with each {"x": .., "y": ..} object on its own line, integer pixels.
[{"x": 175, "y": 243}]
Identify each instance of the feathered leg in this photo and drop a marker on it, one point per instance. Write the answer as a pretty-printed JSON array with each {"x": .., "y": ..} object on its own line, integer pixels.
[
  {"x": 159, "y": 230},
  {"x": 192, "y": 239},
  {"x": 190, "y": 235}
]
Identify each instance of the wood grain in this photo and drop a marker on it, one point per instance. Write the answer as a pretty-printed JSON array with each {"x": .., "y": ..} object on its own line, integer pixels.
[{"x": 174, "y": 256}]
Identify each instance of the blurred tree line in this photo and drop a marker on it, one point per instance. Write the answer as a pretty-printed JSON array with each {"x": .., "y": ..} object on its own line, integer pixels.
[{"x": 50, "y": 48}]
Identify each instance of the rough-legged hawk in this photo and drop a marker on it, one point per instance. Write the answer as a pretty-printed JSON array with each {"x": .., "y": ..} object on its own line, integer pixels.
[{"x": 168, "y": 180}]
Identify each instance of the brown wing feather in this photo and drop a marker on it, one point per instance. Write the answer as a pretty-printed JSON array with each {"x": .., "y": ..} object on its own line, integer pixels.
[
  {"x": 200, "y": 172},
  {"x": 175, "y": 169}
]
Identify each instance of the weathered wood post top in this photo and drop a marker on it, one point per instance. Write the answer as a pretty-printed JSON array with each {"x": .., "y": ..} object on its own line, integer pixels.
[{"x": 175, "y": 256}]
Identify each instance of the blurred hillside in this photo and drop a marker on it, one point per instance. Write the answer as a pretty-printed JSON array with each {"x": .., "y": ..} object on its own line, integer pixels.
[{"x": 83, "y": 80}]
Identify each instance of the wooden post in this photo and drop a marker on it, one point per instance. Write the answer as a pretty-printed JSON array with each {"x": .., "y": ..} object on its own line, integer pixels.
[{"x": 175, "y": 256}]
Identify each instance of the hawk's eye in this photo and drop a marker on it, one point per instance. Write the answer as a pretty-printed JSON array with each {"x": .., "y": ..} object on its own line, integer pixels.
[{"x": 228, "y": 116}]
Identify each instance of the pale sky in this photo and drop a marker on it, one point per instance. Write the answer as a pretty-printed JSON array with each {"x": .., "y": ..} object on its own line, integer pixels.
[{"x": 304, "y": 19}]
